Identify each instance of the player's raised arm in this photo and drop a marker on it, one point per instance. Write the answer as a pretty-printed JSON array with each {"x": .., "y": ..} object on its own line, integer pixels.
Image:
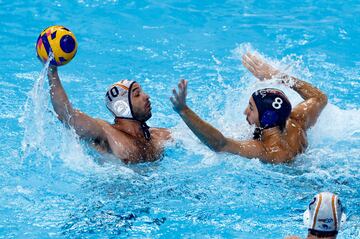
[
  {"x": 84, "y": 125},
  {"x": 305, "y": 113},
  {"x": 208, "y": 134}
]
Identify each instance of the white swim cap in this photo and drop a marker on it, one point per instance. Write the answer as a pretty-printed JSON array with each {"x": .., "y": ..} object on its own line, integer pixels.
[
  {"x": 118, "y": 99},
  {"x": 325, "y": 213}
]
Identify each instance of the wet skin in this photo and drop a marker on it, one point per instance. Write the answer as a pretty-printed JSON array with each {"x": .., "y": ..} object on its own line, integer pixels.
[
  {"x": 274, "y": 145},
  {"x": 124, "y": 139}
]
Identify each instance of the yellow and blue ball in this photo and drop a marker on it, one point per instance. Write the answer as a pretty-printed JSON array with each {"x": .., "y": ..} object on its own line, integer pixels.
[{"x": 60, "y": 41}]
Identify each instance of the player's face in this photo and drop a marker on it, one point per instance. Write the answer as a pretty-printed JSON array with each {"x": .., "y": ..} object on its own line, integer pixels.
[
  {"x": 140, "y": 102},
  {"x": 252, "y": 114}
]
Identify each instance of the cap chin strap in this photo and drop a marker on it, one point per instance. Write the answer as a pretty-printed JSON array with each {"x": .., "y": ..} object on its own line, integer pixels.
[
  {"x": 259, "y": 130},
  {"x": 257, "y": 133},
  {"x": 143, "y": 125},
  {"x": 145, "y": 129}
]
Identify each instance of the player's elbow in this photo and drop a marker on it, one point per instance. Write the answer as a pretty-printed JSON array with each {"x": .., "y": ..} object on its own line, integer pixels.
[
  {"x": 216, "y": 147},
  {"x": 219, "y": 145},
  {"x": 65, "y": 120},
  {"x": 61, "y": 118},
  {"x": 323, "y": 99},
  {"x": 67, "y": 115}
]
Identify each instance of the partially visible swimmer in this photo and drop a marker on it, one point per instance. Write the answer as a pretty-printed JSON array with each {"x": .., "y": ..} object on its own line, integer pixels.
[
  {"x": 129, "y": 138},
  {"x": 324, "y": 217},
  {"x": 280, "y": 132}
]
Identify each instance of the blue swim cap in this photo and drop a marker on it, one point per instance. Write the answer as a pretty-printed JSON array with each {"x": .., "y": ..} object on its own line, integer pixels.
[{"x": 273, "y": 106}]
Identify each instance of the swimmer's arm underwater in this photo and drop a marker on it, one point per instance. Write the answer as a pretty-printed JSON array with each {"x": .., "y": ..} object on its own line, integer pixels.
[
  {"x": 209, "y": 135},
  {"x": 305, "y": 113},
  {"x": 85, "y": 126}
]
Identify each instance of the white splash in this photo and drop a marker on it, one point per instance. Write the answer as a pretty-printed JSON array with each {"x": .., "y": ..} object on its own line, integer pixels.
[
  {"x": 44, "y": 135},
  {"x": 34, "y": 115}
]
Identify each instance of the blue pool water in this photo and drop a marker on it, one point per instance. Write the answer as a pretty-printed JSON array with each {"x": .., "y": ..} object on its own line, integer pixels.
[{"x": 53, "y": 186}]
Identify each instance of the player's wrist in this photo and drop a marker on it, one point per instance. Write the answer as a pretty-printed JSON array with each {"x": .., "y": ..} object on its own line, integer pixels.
[
  {"x": 286, "y": 79},
  {"x": 52, "y": 69},
  {"x": 183, "y": 110}
]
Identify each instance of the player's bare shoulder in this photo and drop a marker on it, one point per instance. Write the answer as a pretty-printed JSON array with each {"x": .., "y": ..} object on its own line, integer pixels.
[
  {"x": 292, "y": 125},
  {"x": 108, "y": 129},
  {"x": 160, "y": 134}
]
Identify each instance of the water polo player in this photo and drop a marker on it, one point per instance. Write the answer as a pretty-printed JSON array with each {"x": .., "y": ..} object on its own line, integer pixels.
[
  {"x": 129, "y": 138},
  {"x": 324, "y": 217},
  {"x": 280, "y": 132}
]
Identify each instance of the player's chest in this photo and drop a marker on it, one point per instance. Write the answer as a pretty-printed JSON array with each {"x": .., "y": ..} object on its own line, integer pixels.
[{"x": 147, "y": 150}]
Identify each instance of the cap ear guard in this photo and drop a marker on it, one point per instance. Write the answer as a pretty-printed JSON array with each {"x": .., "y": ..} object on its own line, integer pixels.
[
  {"x": 118, "y": 99},
  {"x": 269, "y": 118},
  {"x": 120, "y": 107}
]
